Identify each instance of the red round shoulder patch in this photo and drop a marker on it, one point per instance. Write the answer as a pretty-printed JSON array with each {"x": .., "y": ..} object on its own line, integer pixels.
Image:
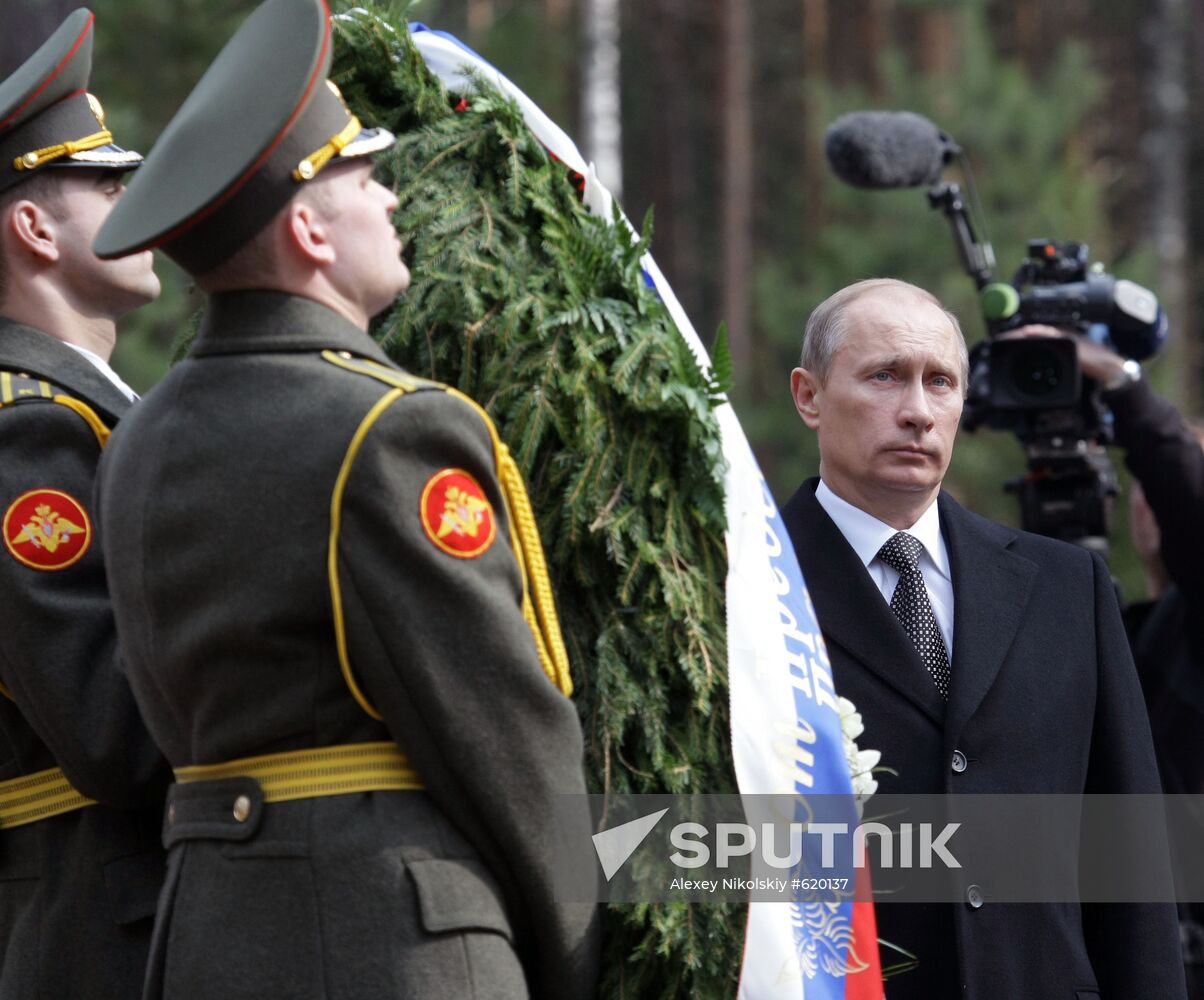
[
  {"x": 456, "y": 515},
  {"x": 47, "y": 529}
]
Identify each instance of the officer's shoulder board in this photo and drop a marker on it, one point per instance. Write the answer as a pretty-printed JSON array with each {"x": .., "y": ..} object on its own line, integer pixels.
[
  {"x": 402, "y": 383},
  {"x": 394, "y": 377},
  {"x": 18, "y": 388}
]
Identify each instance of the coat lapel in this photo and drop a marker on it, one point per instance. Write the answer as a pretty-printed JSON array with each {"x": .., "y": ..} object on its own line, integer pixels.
[
  {"x": 23, "y": 349},
  {"x": 851, "y": 610},
  {"x": 991, "y": 589}
]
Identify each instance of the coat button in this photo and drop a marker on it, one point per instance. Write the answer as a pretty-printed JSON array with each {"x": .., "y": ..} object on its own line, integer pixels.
[
  {"x": 975, "y": 897},
  {"x": 959, "y": 761},
  {"x": 242, "y": 808}
]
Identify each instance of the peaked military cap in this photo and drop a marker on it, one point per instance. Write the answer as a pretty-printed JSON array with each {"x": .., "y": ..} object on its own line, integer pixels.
[
  {"x": 47, "y": 117},
  {"x": 263, "y": 121}
]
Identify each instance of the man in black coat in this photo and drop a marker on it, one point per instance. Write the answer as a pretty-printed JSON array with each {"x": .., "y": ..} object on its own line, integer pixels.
[
  {"x": 982, "y": 659},
  {"x": 330, "y": 588},
  {"x": 81, "y": 783}
]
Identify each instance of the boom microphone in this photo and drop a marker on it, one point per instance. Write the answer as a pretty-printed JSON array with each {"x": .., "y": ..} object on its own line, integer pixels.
[{"x": 888, "y": 149}]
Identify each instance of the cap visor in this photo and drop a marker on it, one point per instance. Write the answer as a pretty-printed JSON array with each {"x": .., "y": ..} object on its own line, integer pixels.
[
  {"x": 370, "y": 140},
  {"x": 111, "y": 155}
]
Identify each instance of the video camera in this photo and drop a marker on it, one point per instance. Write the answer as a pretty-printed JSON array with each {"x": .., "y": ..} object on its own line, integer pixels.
[{"x": 1030, "y": 386}]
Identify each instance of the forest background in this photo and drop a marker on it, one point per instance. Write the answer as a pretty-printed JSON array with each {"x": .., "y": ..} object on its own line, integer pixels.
[{"x": 1080, "y": 119}]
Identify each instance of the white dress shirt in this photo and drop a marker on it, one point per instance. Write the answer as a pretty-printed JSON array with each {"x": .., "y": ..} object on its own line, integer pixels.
[
  {"x": 103, "y": 367},
  {"x": 866, "y": 534}
]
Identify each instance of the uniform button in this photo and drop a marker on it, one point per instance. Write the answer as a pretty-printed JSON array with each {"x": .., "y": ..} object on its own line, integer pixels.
[
  {"x": 975, "y": 897},
  {"x": 171, "y": 813},
  {"x": 242, "y": 808},
  {"x": 959, "y": 761}
]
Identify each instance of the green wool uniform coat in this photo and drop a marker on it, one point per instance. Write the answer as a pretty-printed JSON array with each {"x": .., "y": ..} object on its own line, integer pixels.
[
  {"x": 216, "y": 499},
  {"x": 77, "y": 890}
]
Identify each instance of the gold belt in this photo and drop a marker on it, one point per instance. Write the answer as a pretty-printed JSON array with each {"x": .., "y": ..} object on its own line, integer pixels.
[
  {"x": 311, "y": 774},
  {"x": 33, "y": 797}
]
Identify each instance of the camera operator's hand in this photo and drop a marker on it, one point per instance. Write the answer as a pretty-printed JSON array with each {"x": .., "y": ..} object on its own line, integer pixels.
[
  {"x": 1165, "y": 457},
  {"x": 1095, "y": 361}
]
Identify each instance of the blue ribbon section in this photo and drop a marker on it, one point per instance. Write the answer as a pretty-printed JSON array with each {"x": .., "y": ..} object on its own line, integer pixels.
[{"x": 822, "y": 919}]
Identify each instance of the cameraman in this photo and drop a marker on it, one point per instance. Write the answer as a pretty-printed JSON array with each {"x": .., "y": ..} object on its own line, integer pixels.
[{"x": 1165, "y": 456}]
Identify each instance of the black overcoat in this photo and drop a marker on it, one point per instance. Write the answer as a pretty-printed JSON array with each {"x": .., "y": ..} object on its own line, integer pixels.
[{"x": 1044, "y": 699}]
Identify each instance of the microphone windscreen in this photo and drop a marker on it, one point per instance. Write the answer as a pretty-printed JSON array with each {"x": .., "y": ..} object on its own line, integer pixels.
[{"x": 887, "y": 149}]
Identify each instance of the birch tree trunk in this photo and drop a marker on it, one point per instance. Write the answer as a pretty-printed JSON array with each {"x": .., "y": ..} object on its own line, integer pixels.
[{"x": 600, "y": 97}]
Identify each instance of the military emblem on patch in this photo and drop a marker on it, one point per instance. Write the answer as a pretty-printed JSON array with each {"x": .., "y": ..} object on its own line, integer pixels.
[
  {"x": 47, "y": 529},
  {"x": 456, "y": 516}
]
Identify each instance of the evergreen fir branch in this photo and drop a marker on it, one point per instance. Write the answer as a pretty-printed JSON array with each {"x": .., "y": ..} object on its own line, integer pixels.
[{"x": 722, "y": 370}]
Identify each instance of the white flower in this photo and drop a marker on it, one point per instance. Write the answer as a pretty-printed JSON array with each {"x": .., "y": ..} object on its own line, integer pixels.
[{"x": 861, "y": 762}]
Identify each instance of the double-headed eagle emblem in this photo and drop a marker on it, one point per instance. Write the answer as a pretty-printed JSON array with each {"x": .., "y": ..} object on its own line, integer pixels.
[{"x": 46, "y": 529}]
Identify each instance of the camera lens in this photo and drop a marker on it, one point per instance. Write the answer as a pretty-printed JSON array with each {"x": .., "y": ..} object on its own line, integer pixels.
[
  {"x": 1033, "y": 373},
  {"x": 1036, "y": 371}
]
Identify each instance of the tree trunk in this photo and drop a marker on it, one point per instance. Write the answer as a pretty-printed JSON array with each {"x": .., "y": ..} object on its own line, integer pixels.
[
  {"x": 1166, "y": 150},
  {"x": 737, "y": 184},
  {"x": 600, "y": 96},
  {"x": 557, "y": 11},
  {"x": 670, "y": 174},
  {"x": 480, "y": 17},
  {"x": 816, "y": 39},
  {"x": 937, "y": 42}
]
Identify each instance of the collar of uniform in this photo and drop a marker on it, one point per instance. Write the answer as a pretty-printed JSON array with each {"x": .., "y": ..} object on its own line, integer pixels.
[
  {"x": 25, "y": 349},
  {"x": 255, "y": 322},
  {"x": 866, "y": 534}
]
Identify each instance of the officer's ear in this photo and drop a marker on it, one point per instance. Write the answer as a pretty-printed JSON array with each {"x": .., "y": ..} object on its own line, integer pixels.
[
  {"x": 308, "y": 232},
  {"x": 805, "y": 387},
  {"x": 30, "y": 228}
]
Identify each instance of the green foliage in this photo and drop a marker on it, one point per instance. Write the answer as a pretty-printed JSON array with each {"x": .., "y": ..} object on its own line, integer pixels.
[{"x": 542, "y": 313}]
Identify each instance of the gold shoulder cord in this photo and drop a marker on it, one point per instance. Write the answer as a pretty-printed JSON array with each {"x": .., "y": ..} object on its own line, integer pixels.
[{"x": 539, "y": 606}]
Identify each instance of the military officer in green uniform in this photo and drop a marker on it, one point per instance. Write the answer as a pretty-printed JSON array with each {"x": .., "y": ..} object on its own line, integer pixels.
[
  {"x": 81, "y": 783},
  {"x": 329, "y": 587}
]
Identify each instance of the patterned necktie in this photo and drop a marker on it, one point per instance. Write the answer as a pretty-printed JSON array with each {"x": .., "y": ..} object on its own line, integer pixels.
[{"x": 912, "y": 607}]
